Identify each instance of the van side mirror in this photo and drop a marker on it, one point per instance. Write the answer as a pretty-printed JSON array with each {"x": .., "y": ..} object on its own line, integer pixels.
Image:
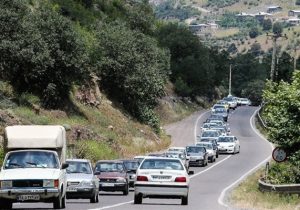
[{"x": 64, "y": 165}]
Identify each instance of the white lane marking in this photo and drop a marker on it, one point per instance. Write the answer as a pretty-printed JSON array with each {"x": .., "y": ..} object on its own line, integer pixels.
[
  {"x": 196, "y": 124},
  {"x": 223, "y": 193},
  {"x": 112, "y": 206},
  {"x": 201, "y": 172}
]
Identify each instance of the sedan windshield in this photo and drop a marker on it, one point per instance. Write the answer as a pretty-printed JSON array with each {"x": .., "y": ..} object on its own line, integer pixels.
[
  {"x": 78, "y": 167},
  {"x": 207, "y": 146},
  {"x": 209, "y": 134},
  {"x": 131, "y": 165},
  {"x": 225, "y": 139},
  {"x": 195, "y": 149},
  {"x": 109, "y": 167},
  {"x": 168, "y": 164},
  {"x": 31, "y": 159}
]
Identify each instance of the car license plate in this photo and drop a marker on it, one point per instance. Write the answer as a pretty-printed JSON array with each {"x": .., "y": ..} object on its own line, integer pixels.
[
  {"x": 71, "y": 189},
  {"x": 108, "y": 185},
  {"x": 28, "y": 197},
  {"x": 161, "y": 177}
]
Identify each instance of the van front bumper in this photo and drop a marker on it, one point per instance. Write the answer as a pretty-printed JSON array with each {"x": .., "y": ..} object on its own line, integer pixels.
[{"x": 29, "y": 194}]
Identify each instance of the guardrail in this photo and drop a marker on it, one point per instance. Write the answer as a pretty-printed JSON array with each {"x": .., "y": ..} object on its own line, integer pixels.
[
  {"x": 260, "y": 119},
  {"x": 284, "y": 188}
]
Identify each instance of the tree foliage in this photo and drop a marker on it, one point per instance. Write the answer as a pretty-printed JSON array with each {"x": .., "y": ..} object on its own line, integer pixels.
[
  {"x": 132, "y": 67},
  {"x": 282, "y": 114},
  {"x": 267, "y": 24},
  {"x": 41, "y": 51}
]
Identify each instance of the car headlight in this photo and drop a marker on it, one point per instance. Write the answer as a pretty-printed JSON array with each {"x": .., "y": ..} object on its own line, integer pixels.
[
  {"x": 6, "y": 184},
  {"x": 121, "y": 179},
  {"x": 48, "y": 183},
  {"x": 87, "y": 184}
]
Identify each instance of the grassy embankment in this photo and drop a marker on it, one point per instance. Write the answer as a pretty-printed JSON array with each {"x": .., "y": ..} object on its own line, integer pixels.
[
  {"x": 107, "y": 131},
  {"x": 247, "y": 195}
]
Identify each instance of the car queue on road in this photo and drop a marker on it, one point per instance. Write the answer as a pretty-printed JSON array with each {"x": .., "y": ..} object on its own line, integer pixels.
[{"x": 158, "y": 175}]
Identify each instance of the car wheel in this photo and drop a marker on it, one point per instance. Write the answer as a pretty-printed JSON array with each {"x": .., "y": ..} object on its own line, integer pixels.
[
  {"x": 217, "y": 155},
  {"x": 184, "y": 200},
  {"x": 57, "y": 203},
  {"x": 125, "y": 192},
  {"x": 63, "y": 202},
  {"x": 94, "y": 198},
  {"x": 5, "y": 204},
  {"x": 138, "y": 199},
  {"x": 239, "y": 149}
]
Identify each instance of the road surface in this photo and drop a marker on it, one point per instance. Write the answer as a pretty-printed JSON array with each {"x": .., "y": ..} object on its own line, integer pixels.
[{"x": 209, "y": 185}]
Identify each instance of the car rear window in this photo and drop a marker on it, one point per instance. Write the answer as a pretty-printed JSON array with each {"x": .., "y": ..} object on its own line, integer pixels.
[{"x": 167, "y": 164}]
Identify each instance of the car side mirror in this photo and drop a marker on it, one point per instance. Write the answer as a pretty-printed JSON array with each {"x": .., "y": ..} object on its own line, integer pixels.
[
  {"x": 190, "y": 172},
  {"x": 64, "y": 165}
]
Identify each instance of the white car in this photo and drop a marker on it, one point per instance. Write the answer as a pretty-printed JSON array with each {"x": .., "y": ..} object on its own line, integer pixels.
[
  {"x": 178, "y": 149},
  {"x": 81, "y": 181},
  {"x": 228, "y": 144},
  {"x": 161, "y": 177},
  {"x": 219, "y": 106},
  {"x": 207, "y": 126},
  {"x": 212, "y": 153},
  {"x": 179, "y": 154},
  {"x": 245, "y": 101}
]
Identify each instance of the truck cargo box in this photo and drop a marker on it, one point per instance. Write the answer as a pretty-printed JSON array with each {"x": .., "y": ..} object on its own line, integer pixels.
[{"x": 35, "y": 136}]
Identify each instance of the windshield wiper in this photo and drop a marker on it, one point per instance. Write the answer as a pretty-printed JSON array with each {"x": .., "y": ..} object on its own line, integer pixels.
[
  {"x": 15, "y": 164},
  {"x": 31, "y": 163}
]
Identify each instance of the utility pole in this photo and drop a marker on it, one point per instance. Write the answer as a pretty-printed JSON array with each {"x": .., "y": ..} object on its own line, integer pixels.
[
  {"x": 229, "y": 92},
  {"x": 274, "y": 37},
  {"x": 295, "y": 57}
]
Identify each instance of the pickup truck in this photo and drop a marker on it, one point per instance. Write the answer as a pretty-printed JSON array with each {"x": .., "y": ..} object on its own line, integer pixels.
[{"x": 34, "y": 166}]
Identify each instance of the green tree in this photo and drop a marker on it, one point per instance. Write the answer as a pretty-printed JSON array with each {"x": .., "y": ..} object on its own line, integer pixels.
[
  {"x": 267, "y": 24},
  {"x": 277, "y": 28},
  {"x": 255, "y": 49},
  {"x": 283, "y": 116},
  {"x": 253, "y": 33},
  {"x": 41, "y": 52},
  {"x": 254, "y": 90},
  {"x": 132, "y": 67},
  {"x": 285, "y": 67}
]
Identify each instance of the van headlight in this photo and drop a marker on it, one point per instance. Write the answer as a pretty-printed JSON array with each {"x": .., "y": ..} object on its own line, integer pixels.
[{"x": 6, "y": 184}]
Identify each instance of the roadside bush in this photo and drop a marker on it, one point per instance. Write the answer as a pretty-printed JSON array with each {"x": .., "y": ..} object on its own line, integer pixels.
[
  {"x": 94, "y": 150},
  {"x": 284, "y": 173}
]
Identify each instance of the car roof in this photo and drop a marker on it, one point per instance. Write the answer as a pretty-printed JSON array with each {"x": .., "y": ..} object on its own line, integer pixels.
[
  {"x": 109, "y": 161},
  {"x": 78, "y": 160},
  {"x": 158, "y": 158}
]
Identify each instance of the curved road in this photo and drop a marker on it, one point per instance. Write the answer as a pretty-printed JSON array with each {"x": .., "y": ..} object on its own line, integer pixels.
[{"x": 209, "y": 185}]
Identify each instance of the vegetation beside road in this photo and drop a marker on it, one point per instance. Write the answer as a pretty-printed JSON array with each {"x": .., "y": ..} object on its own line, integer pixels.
[{"x": 248, "y": 196}]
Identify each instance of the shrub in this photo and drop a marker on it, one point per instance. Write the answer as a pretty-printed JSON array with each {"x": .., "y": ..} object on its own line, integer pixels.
[{"x": 94, "y": 150}]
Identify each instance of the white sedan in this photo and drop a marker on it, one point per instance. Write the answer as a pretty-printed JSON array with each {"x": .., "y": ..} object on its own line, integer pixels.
[
  {"x": 161, "y": 177},
  {"x": 228, "y": 144}
]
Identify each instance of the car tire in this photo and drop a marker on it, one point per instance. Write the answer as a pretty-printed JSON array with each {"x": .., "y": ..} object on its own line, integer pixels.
[
  {"x": 217, "y": 155},
  {"x": 63, "y": 202},
  {"x": 138, "y": 199},
  {"x": 126, "y": 191},
  {"x": 185, "y": 200},
  {"x": 58, "y": 202},
  {"x": 5, "y": 204},
  {"x": 94, "y": 198}
]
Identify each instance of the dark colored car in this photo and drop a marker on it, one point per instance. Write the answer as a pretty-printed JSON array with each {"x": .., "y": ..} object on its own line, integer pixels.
[
  {"x": 131, "y": 167},
  {"x": 197, "y": 156},
  {"x": 112, "y": 175}
]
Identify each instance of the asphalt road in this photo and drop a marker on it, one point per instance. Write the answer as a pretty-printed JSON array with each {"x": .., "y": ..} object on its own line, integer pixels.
[{"x": 209, "y": 185}]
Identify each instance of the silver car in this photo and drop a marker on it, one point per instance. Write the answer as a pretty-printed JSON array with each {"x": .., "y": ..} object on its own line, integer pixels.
[{"x": 81, "y": 181}]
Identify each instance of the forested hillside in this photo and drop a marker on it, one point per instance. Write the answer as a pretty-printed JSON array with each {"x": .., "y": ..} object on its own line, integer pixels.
[{"x": 49, "y": 46}]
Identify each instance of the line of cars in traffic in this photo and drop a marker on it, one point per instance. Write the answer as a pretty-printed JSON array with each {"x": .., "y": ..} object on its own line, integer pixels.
[{"x": 158, "y": 175}]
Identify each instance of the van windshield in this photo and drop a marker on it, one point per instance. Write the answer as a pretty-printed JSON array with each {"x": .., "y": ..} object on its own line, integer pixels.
[{"x": 31, "y": 159}]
